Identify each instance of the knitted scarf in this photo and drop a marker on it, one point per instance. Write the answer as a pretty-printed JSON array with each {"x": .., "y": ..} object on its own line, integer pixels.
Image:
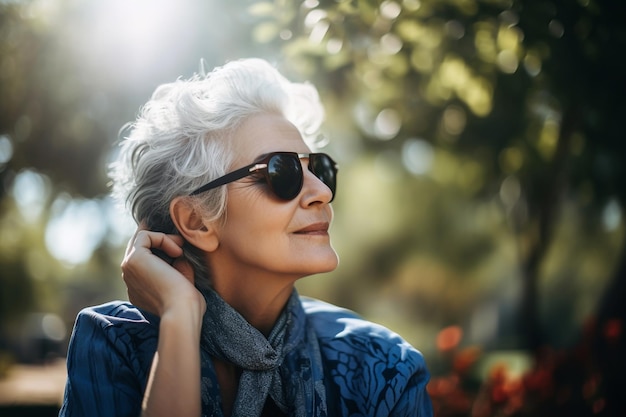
[{"x": 285, "y": 366}]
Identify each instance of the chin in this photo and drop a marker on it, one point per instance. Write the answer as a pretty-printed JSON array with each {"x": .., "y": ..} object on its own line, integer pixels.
[
  {"x": 310, "y": 262},
  {"x": 329, "y": 264},
  {"x": 319, "y": 265}
]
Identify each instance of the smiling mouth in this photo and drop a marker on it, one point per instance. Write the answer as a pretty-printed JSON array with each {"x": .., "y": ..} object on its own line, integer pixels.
[{"x": 314, "y": 229}]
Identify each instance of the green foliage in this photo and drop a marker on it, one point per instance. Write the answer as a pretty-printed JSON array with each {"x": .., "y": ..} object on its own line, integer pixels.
[
  {"x": 48, "y": 112},
  {"x": 71, "y": 75},
  {"x": 480, "y": 75},
  {"x": 479, "y": 144},
  {"x": 524, "y": 90}
]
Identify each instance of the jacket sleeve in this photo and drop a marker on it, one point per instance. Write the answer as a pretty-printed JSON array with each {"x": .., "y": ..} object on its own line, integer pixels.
[
  {"x": 107, "y": 366},
  {"x": 372, "y": 370},
  {"x": 414, "y": 401}
]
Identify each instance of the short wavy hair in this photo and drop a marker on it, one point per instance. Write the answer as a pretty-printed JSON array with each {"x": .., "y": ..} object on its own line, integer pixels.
[{"x": 180, "y": 139}]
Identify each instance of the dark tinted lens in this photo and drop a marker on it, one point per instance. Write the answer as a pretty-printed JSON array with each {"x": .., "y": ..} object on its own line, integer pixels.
[
  {"x": 323, "y": 167},
  {"x": 285, "y": 175}
]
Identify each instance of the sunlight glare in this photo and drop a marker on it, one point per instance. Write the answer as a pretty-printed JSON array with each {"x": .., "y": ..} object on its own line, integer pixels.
[
  {"x": 134, "y": 33},
  {"x": 75, "y": 229}
]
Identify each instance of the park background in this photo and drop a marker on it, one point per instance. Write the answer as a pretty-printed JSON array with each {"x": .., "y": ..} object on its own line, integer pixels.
[{"x": 482, "y": 162}]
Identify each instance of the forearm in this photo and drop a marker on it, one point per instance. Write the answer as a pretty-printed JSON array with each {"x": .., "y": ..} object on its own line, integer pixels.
[{"x": 174, "y": 384}]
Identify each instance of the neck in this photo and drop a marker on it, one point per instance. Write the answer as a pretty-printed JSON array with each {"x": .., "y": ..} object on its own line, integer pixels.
[{"x": 260, "y": 306}]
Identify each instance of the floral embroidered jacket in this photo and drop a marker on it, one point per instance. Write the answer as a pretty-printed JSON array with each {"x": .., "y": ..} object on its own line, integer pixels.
[{"x": 368, "y": 369}]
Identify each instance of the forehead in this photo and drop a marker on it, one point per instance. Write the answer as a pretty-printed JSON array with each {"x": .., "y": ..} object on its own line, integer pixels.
[{"x": 264, "y": 133}]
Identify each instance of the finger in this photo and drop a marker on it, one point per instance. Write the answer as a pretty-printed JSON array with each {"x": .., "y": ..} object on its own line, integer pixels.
[
  {"x": 172, "y": 245},
  {"x": 131, "y": 241},
  {"x": 169, "y": 244},
  {"x": 178, "y": 239}
]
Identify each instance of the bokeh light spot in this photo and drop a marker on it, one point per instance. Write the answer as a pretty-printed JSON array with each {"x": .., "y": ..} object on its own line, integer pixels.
[
  {"x": 6, "y": 149},
  {"x": 449, "y": 338},
  {"x": 30, "y": 191},
  {"x": 75, "y": 229},
  {"x": 417, "y": 156},
  {"x": 387, "y": 124},
  {"x": 390, "y": 9}
]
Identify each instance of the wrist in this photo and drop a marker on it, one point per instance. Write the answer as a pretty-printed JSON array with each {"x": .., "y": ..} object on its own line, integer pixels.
[{"x": 185, "y": 310}]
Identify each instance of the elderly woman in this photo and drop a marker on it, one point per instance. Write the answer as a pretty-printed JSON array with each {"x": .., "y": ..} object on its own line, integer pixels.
[{"x": 233, "y": 208}]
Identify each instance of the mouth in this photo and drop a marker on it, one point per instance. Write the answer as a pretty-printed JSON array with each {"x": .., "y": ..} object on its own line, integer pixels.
[{"x": 320, "y": 228}]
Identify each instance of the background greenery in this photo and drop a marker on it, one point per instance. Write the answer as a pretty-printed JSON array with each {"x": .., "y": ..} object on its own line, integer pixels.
[{"x": 481, "y": 145}]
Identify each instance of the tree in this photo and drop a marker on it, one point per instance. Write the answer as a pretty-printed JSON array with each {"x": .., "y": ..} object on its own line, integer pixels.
[
  {"x": 526, "y": 88},
  {"x": 71, "y": 75}
]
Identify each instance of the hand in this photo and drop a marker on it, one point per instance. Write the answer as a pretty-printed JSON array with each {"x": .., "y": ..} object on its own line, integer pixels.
[
  {"x": 153, "y": 284},
  {"x": 168, "y": 291}
]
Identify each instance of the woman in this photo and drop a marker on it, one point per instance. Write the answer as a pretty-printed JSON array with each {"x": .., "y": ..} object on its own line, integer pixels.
[{"x": 219, "y": 174}]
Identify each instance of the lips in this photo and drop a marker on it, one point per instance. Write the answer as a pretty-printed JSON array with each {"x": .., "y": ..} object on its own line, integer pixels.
[{"x": 314, "y": 228}]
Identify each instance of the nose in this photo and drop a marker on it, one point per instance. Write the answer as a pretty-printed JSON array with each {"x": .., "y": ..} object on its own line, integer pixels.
[{"x": 313, "y": 189}]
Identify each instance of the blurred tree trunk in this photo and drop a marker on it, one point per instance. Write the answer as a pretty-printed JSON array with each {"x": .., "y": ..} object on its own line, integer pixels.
[{"x": 546, "y": 209}]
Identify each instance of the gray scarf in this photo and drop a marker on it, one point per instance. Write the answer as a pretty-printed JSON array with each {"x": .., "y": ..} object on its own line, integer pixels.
[{"x": 286, "y": 366}]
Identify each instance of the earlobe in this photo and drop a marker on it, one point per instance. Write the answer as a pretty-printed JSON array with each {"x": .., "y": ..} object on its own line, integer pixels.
[{"x": 192, "y": 226}]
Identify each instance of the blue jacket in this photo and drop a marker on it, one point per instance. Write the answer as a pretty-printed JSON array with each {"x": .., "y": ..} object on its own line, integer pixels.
[{"x": 368, "y": 369}]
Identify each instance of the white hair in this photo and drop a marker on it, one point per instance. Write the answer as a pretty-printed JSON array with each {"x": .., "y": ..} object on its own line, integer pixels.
[{"x": 180, "y": 139}]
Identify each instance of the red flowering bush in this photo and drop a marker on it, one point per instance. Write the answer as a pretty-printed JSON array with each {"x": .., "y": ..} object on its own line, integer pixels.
[{"x": 565, "y": 382}]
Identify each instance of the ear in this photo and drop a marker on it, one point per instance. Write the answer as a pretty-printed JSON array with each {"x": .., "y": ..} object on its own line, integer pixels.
[{"x": 191, "y": 225}]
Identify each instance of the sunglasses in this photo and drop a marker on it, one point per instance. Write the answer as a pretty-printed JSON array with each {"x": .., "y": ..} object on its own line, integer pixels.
[{"x": 283, "y": 173}]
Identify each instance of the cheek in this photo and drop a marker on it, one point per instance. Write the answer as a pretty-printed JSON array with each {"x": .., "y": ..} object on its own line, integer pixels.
[
  {"x": 256, "y": 224},
  {"x": 256, "y": 229}
]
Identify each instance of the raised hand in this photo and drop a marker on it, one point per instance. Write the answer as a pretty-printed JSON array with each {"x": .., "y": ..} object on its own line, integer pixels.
[{"x": 152, "y": 283}]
